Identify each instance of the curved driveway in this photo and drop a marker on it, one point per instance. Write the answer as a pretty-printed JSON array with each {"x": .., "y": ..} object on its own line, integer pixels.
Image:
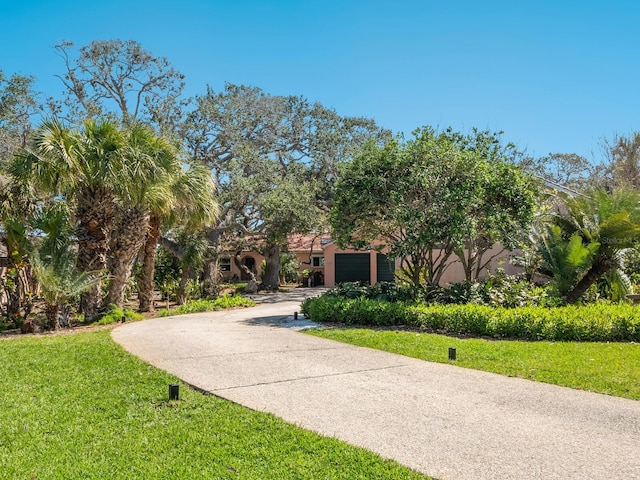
[{"x": 445, "y": 421}]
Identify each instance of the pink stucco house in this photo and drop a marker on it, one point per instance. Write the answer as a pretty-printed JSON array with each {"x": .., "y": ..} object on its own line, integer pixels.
[{"x": 327, "y": 264}]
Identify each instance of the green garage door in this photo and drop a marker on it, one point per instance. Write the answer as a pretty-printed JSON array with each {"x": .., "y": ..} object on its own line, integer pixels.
[
  {"x": 352, "y": 267},
  {"x": 385, "y": 268}
]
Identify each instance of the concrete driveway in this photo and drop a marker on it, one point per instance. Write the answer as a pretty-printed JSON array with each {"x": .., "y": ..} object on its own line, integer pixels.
[{"x": 442, "y": 420}]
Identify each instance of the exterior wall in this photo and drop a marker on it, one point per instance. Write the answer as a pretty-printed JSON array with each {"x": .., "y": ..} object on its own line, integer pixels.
[
  {"x": 330, "y": 264},
  {"x": 303, "y": 264},
  {"x": 453, "y": 274},
  {"x": 235, "y": 274},
  {"x": 301, "y": 257}
]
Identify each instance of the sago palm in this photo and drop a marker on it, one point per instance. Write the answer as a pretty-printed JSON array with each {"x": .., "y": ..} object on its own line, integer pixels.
[
  {"x": 565, "y": 260},
  {"x": 609, "y": 220}
]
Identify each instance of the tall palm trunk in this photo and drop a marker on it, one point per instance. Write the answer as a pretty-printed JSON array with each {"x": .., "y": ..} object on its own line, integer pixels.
[
  {"x": 127, "y": 239},
  {"x": 146, "y": 285},
  {"x": 94, "y": 212}
]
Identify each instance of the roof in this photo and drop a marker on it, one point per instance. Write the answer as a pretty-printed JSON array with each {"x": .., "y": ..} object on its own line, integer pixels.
[
  {"x": 559, "y": 188},
  {"x": 299, "y": 242}
]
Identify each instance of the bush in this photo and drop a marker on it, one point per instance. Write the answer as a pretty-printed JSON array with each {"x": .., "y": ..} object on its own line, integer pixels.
[
  {"x": 224, "y": 302},
  {"x": 115, "y": 314},
  {"x": 599, "y": 322},
  {"x": 496, "y": 290}
]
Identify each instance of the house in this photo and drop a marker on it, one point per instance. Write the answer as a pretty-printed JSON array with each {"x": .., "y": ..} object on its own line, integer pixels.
[
  {"x": 325, "y": 263},
  {"x": 345, "y": 265},
  {"x": 329, "y": 265},
  {"x": 372, "y": 266},
  {"x": 307, "y": 248}
]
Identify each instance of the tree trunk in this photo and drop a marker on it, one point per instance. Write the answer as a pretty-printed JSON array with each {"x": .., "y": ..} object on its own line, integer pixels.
[
  {"x": 211, "y": 271},
  {"x": 210, "y": 276},
  {"x": 52, "y": 310},
  {"x": 181, "y": 293},
  {"x": 243, "y": 268},
  {"x": 271, "y": 277},
  {"x": 595, "y": 272},
  {"x": 12, "y": 290},
  {"x": 146, "y": 285},
  {"x": 127, "y": 239},
  {"x": 94, "y": 212}
]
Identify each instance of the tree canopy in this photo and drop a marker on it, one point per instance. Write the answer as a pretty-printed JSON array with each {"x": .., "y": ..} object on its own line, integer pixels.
[
  {"x": 434, "y": 195},
  {"x": 120, "y": 78},
  {"x": 274, "y": 158}
]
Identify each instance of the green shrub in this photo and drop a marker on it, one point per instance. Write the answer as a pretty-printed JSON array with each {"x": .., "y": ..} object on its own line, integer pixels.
[
  {"x": 115, "y": 314},
  {"x": 224, "y": 302},
  {"x": 497, "y": 290},
  {"x": 598, "y": 322}
]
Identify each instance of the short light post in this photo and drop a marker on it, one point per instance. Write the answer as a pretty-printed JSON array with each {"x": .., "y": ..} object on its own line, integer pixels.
[
  {"x": 174, "y": 391},
  {"x": 452, "y": 353}
]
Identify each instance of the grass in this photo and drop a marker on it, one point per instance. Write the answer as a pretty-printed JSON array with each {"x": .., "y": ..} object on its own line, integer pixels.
[
  {"x": 610, "y": 368},
  {"x": 79, "y": 407},
  {"x": 115, "y": 314}
]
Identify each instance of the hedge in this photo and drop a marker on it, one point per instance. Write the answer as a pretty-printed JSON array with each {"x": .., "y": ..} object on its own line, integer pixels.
[{"x": 597, "y": 322}]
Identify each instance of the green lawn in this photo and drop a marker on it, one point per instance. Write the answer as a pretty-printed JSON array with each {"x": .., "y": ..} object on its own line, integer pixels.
[
  {"x": 79, "y": 407},
  {"x": 611, "y": 368}
]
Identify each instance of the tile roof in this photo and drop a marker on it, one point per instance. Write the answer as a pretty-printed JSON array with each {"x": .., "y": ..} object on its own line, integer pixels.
[{"x": 299, "y": 242}]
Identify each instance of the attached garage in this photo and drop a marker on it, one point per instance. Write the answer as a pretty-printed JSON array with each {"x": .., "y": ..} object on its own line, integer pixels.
[
  {"x": 352, "y": 267},
  {"x": 385, "y": 268}
]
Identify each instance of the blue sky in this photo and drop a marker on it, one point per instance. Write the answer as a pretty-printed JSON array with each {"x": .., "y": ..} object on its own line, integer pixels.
[{"x": 555, "y": 76}]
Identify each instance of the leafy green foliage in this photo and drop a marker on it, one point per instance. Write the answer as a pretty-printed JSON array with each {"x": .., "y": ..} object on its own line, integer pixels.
[
  {"x": 18, "y": 103},
  {"x": 565, "y": 260},
  {"x": 288, "y": 267},
  {"x": 599, "y": 322},
  {"x": 222, "y": 303},
  {"x": 116, "y": 314},
  {"x": 167, "y": 268},
  {"x": 434, "y": 195},
  {"x": 275, "y": 158},
  {"x": 589, "y": 238},
  {"x": 497, "y": 290}
]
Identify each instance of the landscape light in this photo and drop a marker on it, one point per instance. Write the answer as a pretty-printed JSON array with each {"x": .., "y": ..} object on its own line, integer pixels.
[{"x": 173, "y": 391}]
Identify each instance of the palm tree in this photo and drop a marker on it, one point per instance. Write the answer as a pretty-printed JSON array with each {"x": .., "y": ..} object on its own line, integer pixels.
[
  {"x": 565, "y": 260},
  {"x": 60, "y": 283},
  {"x": 154, "y": 192},
  {"x": 90, "y": 167},
  {"x": 606, "y": 224},
  {"x": 17, "y": 204},
  {"x": 192, "y": 205}
]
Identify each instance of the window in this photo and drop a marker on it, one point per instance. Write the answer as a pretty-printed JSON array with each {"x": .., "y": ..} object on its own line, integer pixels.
[
  {"x": 225, "y": 264},
  {"x": 317, "y": 262}
]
